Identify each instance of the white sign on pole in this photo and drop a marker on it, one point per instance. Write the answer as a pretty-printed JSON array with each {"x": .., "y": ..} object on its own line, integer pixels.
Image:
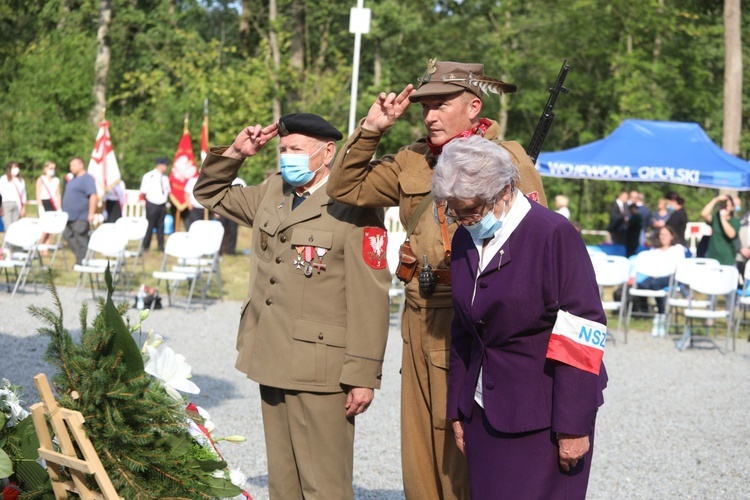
[{"x": 359, "y": 21}]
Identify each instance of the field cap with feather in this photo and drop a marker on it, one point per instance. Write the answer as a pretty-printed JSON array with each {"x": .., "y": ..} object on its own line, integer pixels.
[{"x": 446, "y": 77}]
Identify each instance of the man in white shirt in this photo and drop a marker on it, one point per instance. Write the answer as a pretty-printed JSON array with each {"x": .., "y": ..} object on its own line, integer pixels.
[{"x": 155, "y": 190}]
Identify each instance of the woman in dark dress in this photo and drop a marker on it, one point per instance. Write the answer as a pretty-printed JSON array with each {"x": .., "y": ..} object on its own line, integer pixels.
[
  {"x": 678, "y": 218},
  {"x": 527, "y": 339}
]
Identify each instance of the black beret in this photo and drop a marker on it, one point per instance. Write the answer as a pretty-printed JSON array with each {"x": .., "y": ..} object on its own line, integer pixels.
[
  {"x": 307, "y": 124},
  {"x": 162, "y": 160}
]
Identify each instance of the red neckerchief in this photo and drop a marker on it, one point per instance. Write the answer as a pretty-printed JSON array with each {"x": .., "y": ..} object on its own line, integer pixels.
[{"x": 480, "y": 129}]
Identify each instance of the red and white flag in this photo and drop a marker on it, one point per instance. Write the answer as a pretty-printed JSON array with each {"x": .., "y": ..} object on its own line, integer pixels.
[
  {"x": 578, "y": 342},
  {"x": 103, "y": 164},
  {"x": 204, "y": 138},
  {"x": 183, "y": 169}
]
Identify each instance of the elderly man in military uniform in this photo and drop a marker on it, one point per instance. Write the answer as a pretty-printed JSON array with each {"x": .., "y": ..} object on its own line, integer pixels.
[
  {"x": 315, "y": 323},
  {"x": 450, "y": 95}
]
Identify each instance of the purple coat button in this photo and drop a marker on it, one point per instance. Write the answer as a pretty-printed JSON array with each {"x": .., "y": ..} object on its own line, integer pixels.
[{"x": 490, "y": 385}]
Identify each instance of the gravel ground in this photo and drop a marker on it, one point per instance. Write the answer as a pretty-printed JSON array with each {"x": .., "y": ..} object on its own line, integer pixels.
[{"x": 673, "y": 424}]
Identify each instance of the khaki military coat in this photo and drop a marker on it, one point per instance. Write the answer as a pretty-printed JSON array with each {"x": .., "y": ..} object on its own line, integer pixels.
[
  {"x": 403, "y": 180},
  {"x": 312, "y": 332}
]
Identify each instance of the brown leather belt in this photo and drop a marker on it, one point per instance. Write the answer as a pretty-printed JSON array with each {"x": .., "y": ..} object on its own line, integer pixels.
[{"x": 442, "y": 276}]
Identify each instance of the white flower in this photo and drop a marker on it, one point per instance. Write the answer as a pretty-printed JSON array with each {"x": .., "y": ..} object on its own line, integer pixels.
[
  {"x": 235, "y": 476},
  {"x": 17, "y": 413},
  {"x": 238, "y": 478},
  {"x": 197, "y": 434},
  {"x": 153, "y": 340},
  {"x": 171, "y": 370},
  {"x": 207, "y": 422}
]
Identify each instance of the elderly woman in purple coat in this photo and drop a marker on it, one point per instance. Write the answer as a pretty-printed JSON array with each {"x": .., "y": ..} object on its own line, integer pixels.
[{"x": 526, "y": 374}]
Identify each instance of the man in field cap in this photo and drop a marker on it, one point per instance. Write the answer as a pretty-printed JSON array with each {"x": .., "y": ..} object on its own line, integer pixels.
[
  {"x": 314, "y": 326},
  {"x": 450, "y": 95}
]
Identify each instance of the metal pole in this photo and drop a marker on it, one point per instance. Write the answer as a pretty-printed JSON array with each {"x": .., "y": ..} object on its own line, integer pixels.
[{"x": 355, "y": 76}]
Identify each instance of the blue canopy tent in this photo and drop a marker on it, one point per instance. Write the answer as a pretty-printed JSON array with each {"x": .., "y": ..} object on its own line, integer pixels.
[{"x": 651, "y": 151}]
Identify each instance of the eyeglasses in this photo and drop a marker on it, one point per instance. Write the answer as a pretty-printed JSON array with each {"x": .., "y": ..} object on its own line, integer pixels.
[{"x": 451, "y": 217}]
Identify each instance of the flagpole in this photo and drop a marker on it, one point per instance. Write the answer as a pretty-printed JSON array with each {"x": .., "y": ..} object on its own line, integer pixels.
[{"x": 205, "y": 124}]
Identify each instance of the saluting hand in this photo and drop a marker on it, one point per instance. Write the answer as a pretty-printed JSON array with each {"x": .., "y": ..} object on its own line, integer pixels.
[
  {"x": 251, "y": 140},
  {"x": 387, "y": 108},
  {"x": 571, "y": 449},
  {"x": 358, "y": 400}
]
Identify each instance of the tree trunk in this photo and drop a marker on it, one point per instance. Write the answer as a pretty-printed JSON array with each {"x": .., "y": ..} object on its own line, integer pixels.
[
  {"x": 297, "y": 57},
  {"x": 502, "y": 116},
  {"x": 732, "y": 77},
  {"x": 276, "y": 57},
  {"x": 377, "y": 68},
  {"x": 245, "y": 26},
  {"x": 101, "y": 66}
]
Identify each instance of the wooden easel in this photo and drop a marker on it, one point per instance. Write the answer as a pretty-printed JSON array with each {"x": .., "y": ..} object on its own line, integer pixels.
[{"x": 77, "y": 455}]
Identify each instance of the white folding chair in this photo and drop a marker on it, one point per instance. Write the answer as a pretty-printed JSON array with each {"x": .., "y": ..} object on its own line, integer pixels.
[
  {"x": 715, "y": 281},
  {"x": 19, "y": 251},
  {"x": 680, "y": 293},
  {"x": 612, "y": 271},
  {"x": 648, "y": 264},
  {"x": 53, "y": 223},
  {"x": 135, "y": 230},
  {"x": 135, "y": 206},
  {"x": 207, "y": 236},
  {"x": 106, "y": 247},
  {"x": 179, "y": 248}
]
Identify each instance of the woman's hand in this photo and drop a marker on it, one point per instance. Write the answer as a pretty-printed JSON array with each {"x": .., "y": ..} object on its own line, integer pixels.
[
  {"x": 571, "y": 449},
  {"x": 458, "y": 432}
]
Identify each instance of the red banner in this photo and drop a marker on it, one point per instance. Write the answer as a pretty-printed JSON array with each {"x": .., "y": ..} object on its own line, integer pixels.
[
  {"x": 103, "y": 165},
  {"x": 183, "y": 169}
]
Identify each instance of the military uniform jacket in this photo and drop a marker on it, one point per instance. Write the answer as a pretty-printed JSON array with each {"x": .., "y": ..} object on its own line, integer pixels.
[
  {"x": 298, "y": 332},
  {"x": 403, "y": 180}
]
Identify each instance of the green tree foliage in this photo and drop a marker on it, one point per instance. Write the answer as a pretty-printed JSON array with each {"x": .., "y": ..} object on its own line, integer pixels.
[{"x": 652, "y": 59}]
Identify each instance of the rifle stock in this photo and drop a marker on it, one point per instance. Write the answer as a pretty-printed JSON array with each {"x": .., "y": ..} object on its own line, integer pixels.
[{"x": 548, "y": 115}]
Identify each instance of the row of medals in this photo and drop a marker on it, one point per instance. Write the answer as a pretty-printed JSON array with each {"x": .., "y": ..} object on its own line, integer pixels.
[{"x": 305, "y": 259}]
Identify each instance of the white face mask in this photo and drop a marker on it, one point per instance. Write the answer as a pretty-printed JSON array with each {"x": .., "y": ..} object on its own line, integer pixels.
[
  {"x": 50, "y": 173},
  {"x": 14, "y": 171}
]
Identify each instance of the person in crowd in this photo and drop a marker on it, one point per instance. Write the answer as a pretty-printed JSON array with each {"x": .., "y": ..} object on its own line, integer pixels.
[
  {"x": 633, "y": 231},
  {"x": 526, "y": 377},
  {"x": 450, "y": 97},
  {"x": 678, "y": 217},
  {"x": 195, "y": 210},
  {"x": 724, "y": 242},
  {"x": 80, "y": 203},
  {"x": 114, "y": 200},
  {"x": 155, "y": 189},
  {"x": 48, "y": 196},
  {"x": 636, "y": 198},
  {"x": 669, "y": 251},
  {"x": 48, "y": 189},
  {"x": 618, "y": 219},
  {"x": 13, "y": 192},
  {"x": 314, "y": 334},
  {"x": 561, "y": 205},
  {"x": 743, "y": 252},
  {"x": 659, "y": 217},
  {"x": 229, "y": 245}
]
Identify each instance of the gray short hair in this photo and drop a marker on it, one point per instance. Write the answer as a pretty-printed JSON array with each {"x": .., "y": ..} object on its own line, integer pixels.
[{"x": 473, "y": 167}]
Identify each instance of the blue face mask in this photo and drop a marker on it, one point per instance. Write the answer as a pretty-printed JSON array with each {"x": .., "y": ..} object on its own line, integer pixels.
[
  {"x": 485, "y": 228},
  {"x": 670, "y": 209},
  {"x": 295, "y": 168}
]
